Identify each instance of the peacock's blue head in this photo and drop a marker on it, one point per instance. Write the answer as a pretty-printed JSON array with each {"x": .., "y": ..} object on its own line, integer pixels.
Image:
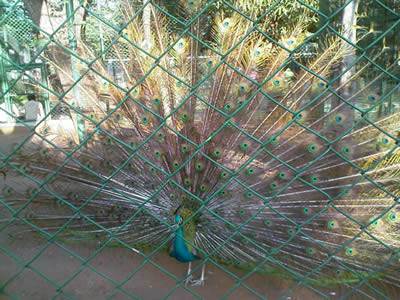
[{"x": 178, "y": 219}]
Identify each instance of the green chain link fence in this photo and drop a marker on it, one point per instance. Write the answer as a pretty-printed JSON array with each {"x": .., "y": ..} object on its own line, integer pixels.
[{"x": 78, "y": 35}]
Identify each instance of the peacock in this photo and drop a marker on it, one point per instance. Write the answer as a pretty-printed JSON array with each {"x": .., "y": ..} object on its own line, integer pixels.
[
  {"x": 230, "y": 146},
  {"x": 182, "y": 252}
]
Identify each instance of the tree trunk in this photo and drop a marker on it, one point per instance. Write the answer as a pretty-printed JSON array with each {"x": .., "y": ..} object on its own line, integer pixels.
[
  {"x": 348, "y": 85},
  {"x": 349, "y": 22},
  {"x": 324, "y": 7},
  {"x": 34, "y": 9},
  {"x": 147, "y": 24}
]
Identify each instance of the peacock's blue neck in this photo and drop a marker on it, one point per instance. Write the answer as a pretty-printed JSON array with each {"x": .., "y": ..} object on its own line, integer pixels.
[
  {"x": 179, "y": 232},
  {"x": 180, "y": 249}
]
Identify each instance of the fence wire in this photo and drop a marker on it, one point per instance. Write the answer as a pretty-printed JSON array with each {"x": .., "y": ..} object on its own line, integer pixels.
[{"x": 271, "y": 128}]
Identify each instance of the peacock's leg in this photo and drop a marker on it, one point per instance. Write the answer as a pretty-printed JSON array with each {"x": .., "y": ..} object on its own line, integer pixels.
[
  {"x": 188, "y": 275},
  {"x": 202, "y": 277},
  {"x": 203, "y": 270}
]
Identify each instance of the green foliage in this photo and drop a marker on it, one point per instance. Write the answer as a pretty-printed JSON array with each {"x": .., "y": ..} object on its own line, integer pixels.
[
  {"x": 284, "y": 14},
  {"x": 280, "y": 20},
  {"x": 20, "y": 100}
]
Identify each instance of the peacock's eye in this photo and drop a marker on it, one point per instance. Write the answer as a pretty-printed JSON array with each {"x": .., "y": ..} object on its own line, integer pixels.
[
  {"x": 312, "y": 148},
  {"x": 248, "y": 194},
  {"x": 310, "y": 251},
  {"x": 349, "y": 251},
  {"x": 216, "y": 153},
  {"x": 184, "y": 117},
  {"x": 392, "y": 217},
  {"x": 244, "y": 146},
  {"x": 185, "y": 148},
  {"x": 273, "y": 185},
  {"x": 314, "y": 179},
  {"x": 199, "y": 166},
  {"x": 332, "y": 224},
  {"x": 135, "y": 92},
  {"x": 374, "y": 224},
  {"x": 242, "y": 88},
  {"x": 224, "y": 174},
  {"x": 282, "y": 175},
  {"x": 267, "y": 222},
  {"x": 250, "y": 171},
  {"x": 273, "y": 141},
  {"x": 7, "y": 191}
]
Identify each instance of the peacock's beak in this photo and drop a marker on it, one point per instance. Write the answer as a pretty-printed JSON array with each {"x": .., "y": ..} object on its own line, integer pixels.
[{"x": 177, "y": 209}]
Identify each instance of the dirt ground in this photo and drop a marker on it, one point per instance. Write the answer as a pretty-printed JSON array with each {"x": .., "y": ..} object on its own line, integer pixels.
[{"x": 147, "y": 281}]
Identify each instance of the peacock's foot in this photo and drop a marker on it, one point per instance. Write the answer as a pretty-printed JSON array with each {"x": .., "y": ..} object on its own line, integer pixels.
[
  {"x": 189, "y": 279},
  {"x": 198, "y": 282}
]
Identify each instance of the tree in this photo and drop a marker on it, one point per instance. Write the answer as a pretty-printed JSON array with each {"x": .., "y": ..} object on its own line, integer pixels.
[{"x": 147, "y": 24}]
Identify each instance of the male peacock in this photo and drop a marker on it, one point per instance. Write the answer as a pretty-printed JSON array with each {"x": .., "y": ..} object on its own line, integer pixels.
[
  {"x": 181, "y": 251},
  {"x": 266, "y": 162}
]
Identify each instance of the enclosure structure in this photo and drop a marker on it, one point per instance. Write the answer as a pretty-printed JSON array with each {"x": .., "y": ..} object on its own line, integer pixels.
[{"x": 258, "y": 139}]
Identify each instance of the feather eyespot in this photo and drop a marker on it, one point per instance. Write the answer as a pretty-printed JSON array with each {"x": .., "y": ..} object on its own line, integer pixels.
[{"x": 244, "y": 146}]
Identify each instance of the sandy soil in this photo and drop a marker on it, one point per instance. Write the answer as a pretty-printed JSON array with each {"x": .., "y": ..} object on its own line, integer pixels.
[{"x": 146, "y": 281}]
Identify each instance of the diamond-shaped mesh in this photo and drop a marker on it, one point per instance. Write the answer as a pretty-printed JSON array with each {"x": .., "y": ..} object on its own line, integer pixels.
[
  {"x": 255, "y": 141},
  {"x": 16, "y": 25}
]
